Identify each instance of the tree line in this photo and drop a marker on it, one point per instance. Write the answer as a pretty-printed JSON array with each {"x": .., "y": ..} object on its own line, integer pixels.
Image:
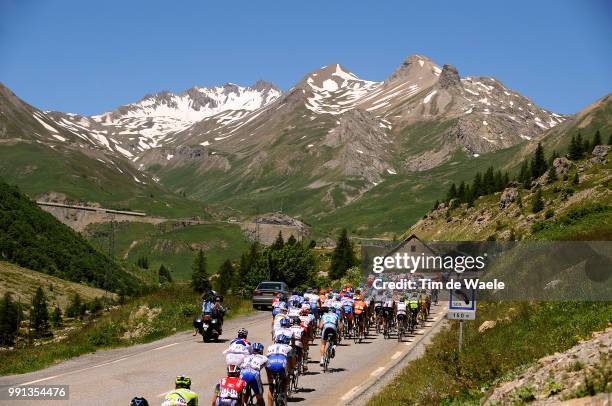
[
  {"x": 492, "y": 181},
  {"x": 40, "y": 319},
  {"x": 290, "y": 261}
]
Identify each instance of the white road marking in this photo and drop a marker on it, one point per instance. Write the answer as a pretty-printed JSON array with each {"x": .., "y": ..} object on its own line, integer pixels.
[
  {"x": 164, "y": 346},
  {"x": 350, "y": 393},
  {"x": 397, "y": 355},
  {"x": 39, "y": 380},
  {"x": 95, "y": 366},
  {"x": 377, "y": 371}
]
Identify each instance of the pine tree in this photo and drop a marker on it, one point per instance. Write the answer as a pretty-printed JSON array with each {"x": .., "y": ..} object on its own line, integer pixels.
[
  {"x": 552, "y": 158},
  {"x": 461, "y": 192},
  {"x": 575, "y": 148},
  {"x": 477, "y": 188},
  {"x": 10, "y": 315},
  {"x": 143, "y": 262},
  {"x": 537, "y": 204},
  {"x": 576, "y": 179},
  {"x": 291, "y": 240},
  {"x": 506, "y": 179},
  {"x": 488, "y": 181},
  {"x": 343, "y": 256},
  {"x": 279, "y": 243},
  {"x": 596, "y": 140},
  {"x": 526, "y": 175},
  {"x": 199, "y": 276},
  {"x": 538, "y": 164},
  {"x": 39, "y": 314},
  {"x": 56, "y": 317},
  {"x": 552, "y": 175},
  {"x": 499, "y": 182},
  {"x": 76, "y": 307},
  {"x": 452, "y": 192},
  {"x": 163, "y": 274},
  {"x": 226, "y": 277}
]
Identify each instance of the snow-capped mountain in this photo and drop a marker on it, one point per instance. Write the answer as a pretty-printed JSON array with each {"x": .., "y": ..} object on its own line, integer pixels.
[
  {"x": 336, "y": 134},
  {"x": 151, "y": 122}
]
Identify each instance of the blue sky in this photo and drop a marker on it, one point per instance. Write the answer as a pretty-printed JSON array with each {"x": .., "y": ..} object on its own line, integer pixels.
[{"x": 90, "y": 56}]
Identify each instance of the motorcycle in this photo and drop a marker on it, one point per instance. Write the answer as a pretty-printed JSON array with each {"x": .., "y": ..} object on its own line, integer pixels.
[{"x": 209, "y": 327}]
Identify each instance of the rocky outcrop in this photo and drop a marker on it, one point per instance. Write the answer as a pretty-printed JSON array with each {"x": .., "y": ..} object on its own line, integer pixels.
[
  {"x": 449, "y": 77},
  {"x": 600, "y": 154},
  {"x": 562, "y": 166},
  {"x": 559, "y": 376},
  {"x": 509, "y": 196}
]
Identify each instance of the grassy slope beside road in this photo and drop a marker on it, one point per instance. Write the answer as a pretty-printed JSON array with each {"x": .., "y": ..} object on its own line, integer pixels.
[
  {"x": 145, "y": 319},
  {"x": 22, "y": 284},
  {"x": 524, "y": 333},
  {"x": 175, "y": 248}
]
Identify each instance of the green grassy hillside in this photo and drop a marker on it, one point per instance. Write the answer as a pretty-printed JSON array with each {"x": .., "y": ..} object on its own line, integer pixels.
[
  {"x": 38, "y": 169},
  {"x": 33, "y": 238},
  {"x": 22, "y": 284},
  {"x": 174, "y": 247}
]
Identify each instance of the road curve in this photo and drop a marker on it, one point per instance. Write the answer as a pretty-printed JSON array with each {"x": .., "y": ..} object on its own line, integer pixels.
[{"x": 113, "y": 377}]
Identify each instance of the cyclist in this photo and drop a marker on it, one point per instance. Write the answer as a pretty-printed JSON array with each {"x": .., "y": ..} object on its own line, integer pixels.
[
  {"x": 281, "y": 361},
  {"x": 314, "y": 300},
  {"x": 330, "y": 327},
  {"x": 347, "y": 310},
  {"x": 301, "y": 340},
  {"x": 413, "y": 304},
  {"x": 139, "y": 401},
  {"x": 238, "y": 349},
  {"x": 230, "y": 389},
  {"x": 401, "y": 314},
  {"x": 388, "y": 311},
  {"x": 277, "y": 302},
  {"x": 250, "y": 371},
  {"x": 182, "y": 395},
  {"x": 360, "y": 307},
  {"x": 276, "y": 322},
  {"x": 296, "y": 300},
  {"x": 284, "y": 329}
]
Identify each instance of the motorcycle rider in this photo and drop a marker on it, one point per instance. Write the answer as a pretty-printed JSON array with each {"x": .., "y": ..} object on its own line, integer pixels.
[
  {"x": 182, "y": 395},
  {"x": 211, "y": 304},
  {"x": 230, "y": 389}
]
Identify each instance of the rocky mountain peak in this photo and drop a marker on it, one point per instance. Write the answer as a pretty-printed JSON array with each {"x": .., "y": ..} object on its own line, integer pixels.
[
  {"x": 413, "y": 65},
  {"x": 449, "y": 77}
]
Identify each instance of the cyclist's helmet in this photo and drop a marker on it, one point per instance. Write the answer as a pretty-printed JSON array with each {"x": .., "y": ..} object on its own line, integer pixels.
[
  {"x": 233, "y": 370},
  {"x": 138, "y": 401},
  {"x": 258, "y": 348},
  {"x": 183, "y": 381},
  {"x": 282, "y": 339},
  {"x": 295, "y": 321},
  {"x": 331, "y": 309},
  {"x": 243, "y": 333},
  {"x": 285, "y": 322},
  {"x": 295, "y": 303},
  {"x": 338, "y": 297},
  {"x": 304, "y": 311}
]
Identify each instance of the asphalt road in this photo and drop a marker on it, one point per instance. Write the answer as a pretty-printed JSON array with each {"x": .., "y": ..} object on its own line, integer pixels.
[{"x": 113, "y": 377}]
